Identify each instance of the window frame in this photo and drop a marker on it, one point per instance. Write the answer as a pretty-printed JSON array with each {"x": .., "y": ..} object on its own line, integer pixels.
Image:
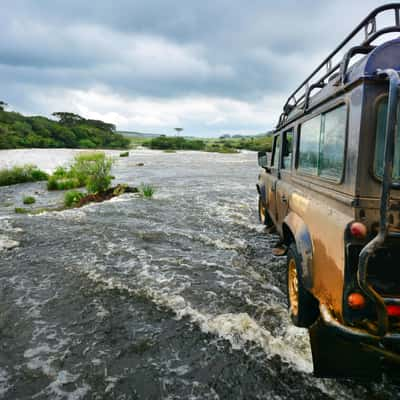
[{"x": 331, "y": 107}]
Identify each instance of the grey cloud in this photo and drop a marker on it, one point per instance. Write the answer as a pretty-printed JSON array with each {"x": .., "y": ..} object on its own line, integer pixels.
[{"x": 168, "y": 49}]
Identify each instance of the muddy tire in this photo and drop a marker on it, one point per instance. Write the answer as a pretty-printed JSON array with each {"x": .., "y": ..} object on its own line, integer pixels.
[
  {"x": 303, "y": 307},
  {"x": 263, "y": 215}
]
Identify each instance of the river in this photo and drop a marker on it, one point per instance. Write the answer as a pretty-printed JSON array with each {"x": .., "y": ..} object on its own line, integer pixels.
[{"x": 174, "y": 297}]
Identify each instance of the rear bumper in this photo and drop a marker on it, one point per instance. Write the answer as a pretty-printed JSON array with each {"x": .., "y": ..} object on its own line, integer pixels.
[{"x": 387, "y": 346}]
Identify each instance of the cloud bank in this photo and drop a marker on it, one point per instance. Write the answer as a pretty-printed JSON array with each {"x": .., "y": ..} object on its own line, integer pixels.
[{"x": 211, "y": 67}]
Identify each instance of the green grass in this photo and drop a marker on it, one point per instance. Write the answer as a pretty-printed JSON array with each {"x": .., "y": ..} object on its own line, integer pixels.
[
  {"x": 72, "y": 198},
  {"x": 29, "y": 200},
  {"x": 147, "y": 190},
  {"x": 22, "y": 174}
]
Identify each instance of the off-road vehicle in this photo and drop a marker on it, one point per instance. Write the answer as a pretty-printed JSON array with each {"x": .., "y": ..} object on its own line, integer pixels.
[{"x": 331, "y": 189}]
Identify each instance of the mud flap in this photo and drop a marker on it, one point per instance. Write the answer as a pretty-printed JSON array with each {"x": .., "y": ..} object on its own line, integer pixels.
[{"x": 337, "y": 357}]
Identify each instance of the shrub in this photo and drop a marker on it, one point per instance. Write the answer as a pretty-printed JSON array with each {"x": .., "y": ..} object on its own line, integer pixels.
[
  {"x": 124, "y": 154},
  {"x": 52, "y": 183},
  {"x": 21, "y": 210},
  {"x": 38, "y": 175},
  {"x": 63, "y": 184},
  {"x": 147, "y": 190},
  {"x": 25, "y": 173},
  {"x": 60, "y": 173},
  {"x": 72, "y": 198},
  {"x": 29, "y": 200},
  {"x": 93, "y": 169}
]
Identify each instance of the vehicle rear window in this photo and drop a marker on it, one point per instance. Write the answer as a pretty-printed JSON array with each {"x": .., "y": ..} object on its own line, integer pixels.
[
  {"x": 380, "y": 143},
  {"x": 322, "y": 144}
]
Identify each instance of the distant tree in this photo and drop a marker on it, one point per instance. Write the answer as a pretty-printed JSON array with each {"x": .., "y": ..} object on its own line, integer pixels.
[
  {"x": 101, "y": 125},
  {"x": 67, "y": 118},
  {"x": 3, "y": 105},
  {"x": 178, "y": 130}
]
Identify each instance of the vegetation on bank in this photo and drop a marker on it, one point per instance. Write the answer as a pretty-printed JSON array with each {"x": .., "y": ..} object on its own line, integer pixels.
[
  {"x": 70, "y": 131},
  {"x": 92, "y": 170},
  {"x": 221, "y": 145},
  {"x": 25, "y": 173},
  {"x": 174, "y": 143},
  {"x": 254, "y": 143}
]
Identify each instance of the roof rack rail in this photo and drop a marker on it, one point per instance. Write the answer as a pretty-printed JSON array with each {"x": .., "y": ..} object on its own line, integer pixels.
[{"x": 369, "y": 24}]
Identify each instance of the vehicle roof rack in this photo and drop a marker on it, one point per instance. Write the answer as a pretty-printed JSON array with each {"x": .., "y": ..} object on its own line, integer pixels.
[{"x": 301, "y": 96}]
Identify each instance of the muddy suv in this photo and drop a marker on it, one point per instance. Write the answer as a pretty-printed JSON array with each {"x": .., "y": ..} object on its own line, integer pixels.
[{"x": 331, "y": 189}]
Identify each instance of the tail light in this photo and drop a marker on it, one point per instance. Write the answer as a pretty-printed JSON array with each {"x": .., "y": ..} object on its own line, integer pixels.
[
  {"x": 356, "y": 301},
  {"x": 393, "y": 310},
  {"x": 358, "y": 230}
]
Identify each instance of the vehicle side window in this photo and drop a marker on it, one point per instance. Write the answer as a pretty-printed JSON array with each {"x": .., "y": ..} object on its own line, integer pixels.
[
  {"x": 309, "y": 145},
  {"x": 333, "y": 138},
  {"x": 379, "y": 162},
  {"x": 322, "y": 144},
  {"x": 287, "y": 148},
  {"x": 275, "y": 155}
]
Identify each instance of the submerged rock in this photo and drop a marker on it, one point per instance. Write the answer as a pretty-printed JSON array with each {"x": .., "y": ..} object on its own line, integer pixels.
[{"x": 7, "y": 244}]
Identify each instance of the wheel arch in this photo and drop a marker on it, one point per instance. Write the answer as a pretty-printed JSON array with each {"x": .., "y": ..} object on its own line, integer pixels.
[{"x": 294, "y": 229}]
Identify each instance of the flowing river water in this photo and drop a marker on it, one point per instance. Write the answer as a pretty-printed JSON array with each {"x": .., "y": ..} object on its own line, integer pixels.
[{"x": 174, "y": 297}]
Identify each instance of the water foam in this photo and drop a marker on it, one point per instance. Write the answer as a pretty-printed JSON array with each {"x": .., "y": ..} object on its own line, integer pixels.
[
  {"x": 5, "y": 386},
  {"x": 238, "y": 328}
]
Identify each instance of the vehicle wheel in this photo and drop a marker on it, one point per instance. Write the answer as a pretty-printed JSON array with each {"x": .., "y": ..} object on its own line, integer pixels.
[
  {"x": 303, "y": 307},
  {"x": 263, "y": 215}
]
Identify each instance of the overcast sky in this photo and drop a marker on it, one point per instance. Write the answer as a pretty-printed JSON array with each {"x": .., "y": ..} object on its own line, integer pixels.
[{"x": 211, "y": 67}]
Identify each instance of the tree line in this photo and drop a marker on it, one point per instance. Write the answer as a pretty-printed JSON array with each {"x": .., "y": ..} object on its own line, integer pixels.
[{"x": 69, "y": 130}]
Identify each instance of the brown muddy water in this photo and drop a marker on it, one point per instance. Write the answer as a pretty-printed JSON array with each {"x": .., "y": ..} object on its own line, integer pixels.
[{"x": 175, "y": 297}]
